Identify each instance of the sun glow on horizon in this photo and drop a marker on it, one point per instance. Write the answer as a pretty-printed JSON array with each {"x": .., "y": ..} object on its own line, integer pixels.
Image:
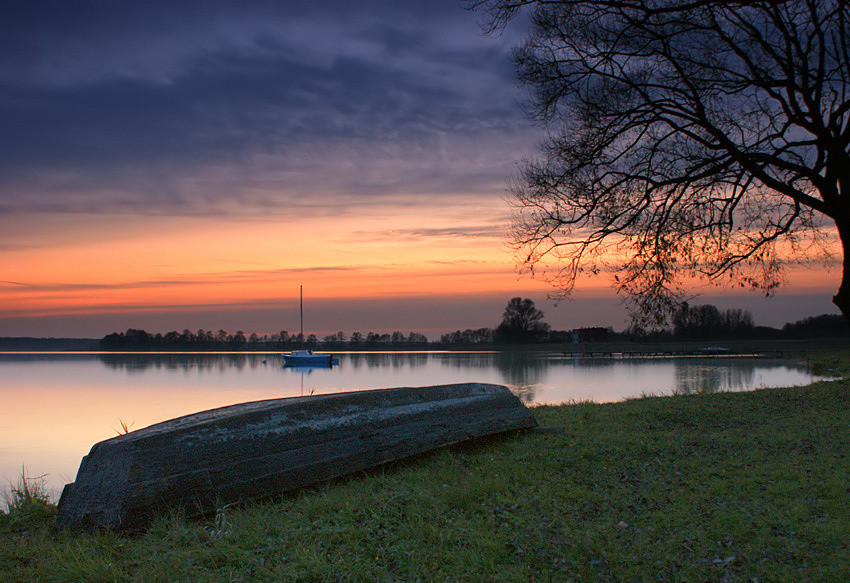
[
  {"x": 159, "y": 265},
  {"x": 191, "y": 261}
]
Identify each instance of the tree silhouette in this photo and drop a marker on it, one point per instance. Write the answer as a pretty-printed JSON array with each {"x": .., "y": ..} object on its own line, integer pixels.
[
  {"x": 708, "y": 322},
  {"x": 521, "y": 322},
  {"x": 704, "y": 139}
]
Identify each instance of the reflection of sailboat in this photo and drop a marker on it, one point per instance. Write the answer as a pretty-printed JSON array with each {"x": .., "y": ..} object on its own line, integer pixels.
[{"x": 306, "y": 357}]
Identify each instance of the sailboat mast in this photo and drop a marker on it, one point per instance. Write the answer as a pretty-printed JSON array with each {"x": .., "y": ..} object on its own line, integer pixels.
[{"x": 301, "y": 310}]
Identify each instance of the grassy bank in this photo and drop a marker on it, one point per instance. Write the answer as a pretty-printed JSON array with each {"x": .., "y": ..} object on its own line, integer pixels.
[{"x": 724, "y": 487}]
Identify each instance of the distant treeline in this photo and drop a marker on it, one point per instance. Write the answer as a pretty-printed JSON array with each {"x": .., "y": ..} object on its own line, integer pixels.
[
  {"x": 692, "y": 323},
  {"x": 707, "y": 322},
  {"x": 188, "y": 340}
]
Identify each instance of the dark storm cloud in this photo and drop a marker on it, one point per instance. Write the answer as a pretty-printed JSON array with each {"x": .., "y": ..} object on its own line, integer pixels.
[{"x": 200, "y": 106}]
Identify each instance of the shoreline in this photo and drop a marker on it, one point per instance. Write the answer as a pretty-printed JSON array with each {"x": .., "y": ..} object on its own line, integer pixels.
[{"x": 700, "y": 487}]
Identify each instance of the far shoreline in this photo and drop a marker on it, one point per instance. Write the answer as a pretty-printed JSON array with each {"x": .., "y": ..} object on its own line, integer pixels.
[{"x": 778, "y": 348}]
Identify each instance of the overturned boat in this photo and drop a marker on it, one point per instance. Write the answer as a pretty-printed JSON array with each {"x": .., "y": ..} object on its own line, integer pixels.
[{"x": 255, "y": 450}]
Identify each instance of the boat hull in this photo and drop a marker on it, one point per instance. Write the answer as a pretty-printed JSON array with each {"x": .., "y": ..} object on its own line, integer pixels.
[
  {"x": 307, "y": 358},
  {"x": 260, "y": 449}
]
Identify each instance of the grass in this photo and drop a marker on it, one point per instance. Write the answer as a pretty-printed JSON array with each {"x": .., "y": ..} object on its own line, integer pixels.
[
  {"x": 27, "y": 503},
  {"x": 722, "y": 487},
  {"x": 831, "y": 363}
]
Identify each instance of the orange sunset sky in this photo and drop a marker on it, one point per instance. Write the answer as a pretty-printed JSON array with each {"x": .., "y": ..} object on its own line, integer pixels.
[{"x": 179, "y": 165}]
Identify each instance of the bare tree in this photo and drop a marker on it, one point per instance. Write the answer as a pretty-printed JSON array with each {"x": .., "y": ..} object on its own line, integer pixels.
[{"x": 689, "y": 140}]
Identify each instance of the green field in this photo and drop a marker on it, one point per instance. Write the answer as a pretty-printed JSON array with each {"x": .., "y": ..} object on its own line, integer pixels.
[{"x": 719, "y": 487}]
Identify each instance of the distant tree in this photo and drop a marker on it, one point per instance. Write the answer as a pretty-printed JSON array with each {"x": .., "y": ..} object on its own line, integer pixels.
[
  {"x": 207, "y": 338},
  {"x": 521, "y": 322},
  {"x": 468, "y": 337},
  {"x": 132, "y": 339},
  {"x": 334, "y": 340},
  {"x": 356, "y": 339},
  {"x": 187, "y": 337},
  {"x": 139, "y": 338},
  {"x": 114, "y": 341},
  {"x": 689, "y": 139},
  {"x": 417, "y": 339},
  {"x": 283, "y": 338},
  {"x": 824, "y": 326},
  {"x": 111, "y": 341},
  {"x": 706, "y": 322},
  {"x": 738, "y": 322},
  {"x": 482, "y": 336}
]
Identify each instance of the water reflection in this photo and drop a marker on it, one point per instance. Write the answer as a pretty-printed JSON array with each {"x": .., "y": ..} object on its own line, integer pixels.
[
  {"x": 524, "y": 373},
  {"x": 394, "y": 360},
  {"x": 720, "y": 375},
  {"x": 714, "y": 377},
  {"x": 185, "y": 362},
  {"x": 55, "y": 407},
  {"x": 528, "y": 374}
]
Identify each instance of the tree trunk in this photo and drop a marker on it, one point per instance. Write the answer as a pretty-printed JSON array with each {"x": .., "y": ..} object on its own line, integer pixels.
[{"x": 842, "y": 298}]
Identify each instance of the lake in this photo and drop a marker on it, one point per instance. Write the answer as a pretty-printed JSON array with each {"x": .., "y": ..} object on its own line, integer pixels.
[{"x": 56, "y": 406}]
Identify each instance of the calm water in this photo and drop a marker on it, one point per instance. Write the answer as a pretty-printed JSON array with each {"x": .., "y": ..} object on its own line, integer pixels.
[{"x": 56, "y": 406}]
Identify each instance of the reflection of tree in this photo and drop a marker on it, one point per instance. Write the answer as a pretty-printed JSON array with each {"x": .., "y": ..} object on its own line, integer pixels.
[
  {"x": 417, "y": 359},
  {"x": 468, "y": 359},
  {"x": 208, "y": 362},
  {"x": 522, "y": 372},
  {"x": 698, "y": 377},
  {"x": 395, "y": 360}
]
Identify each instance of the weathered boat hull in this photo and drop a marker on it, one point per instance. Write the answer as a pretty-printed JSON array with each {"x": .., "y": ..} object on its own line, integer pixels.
[{"x": 259, "y": 449}]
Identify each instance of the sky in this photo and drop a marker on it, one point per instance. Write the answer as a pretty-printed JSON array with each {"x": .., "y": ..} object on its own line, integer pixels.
[{"x": 191, "y": 164}]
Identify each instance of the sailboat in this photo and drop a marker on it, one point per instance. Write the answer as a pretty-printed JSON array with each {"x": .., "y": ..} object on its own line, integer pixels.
[{"x": 305, "y": 356}]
